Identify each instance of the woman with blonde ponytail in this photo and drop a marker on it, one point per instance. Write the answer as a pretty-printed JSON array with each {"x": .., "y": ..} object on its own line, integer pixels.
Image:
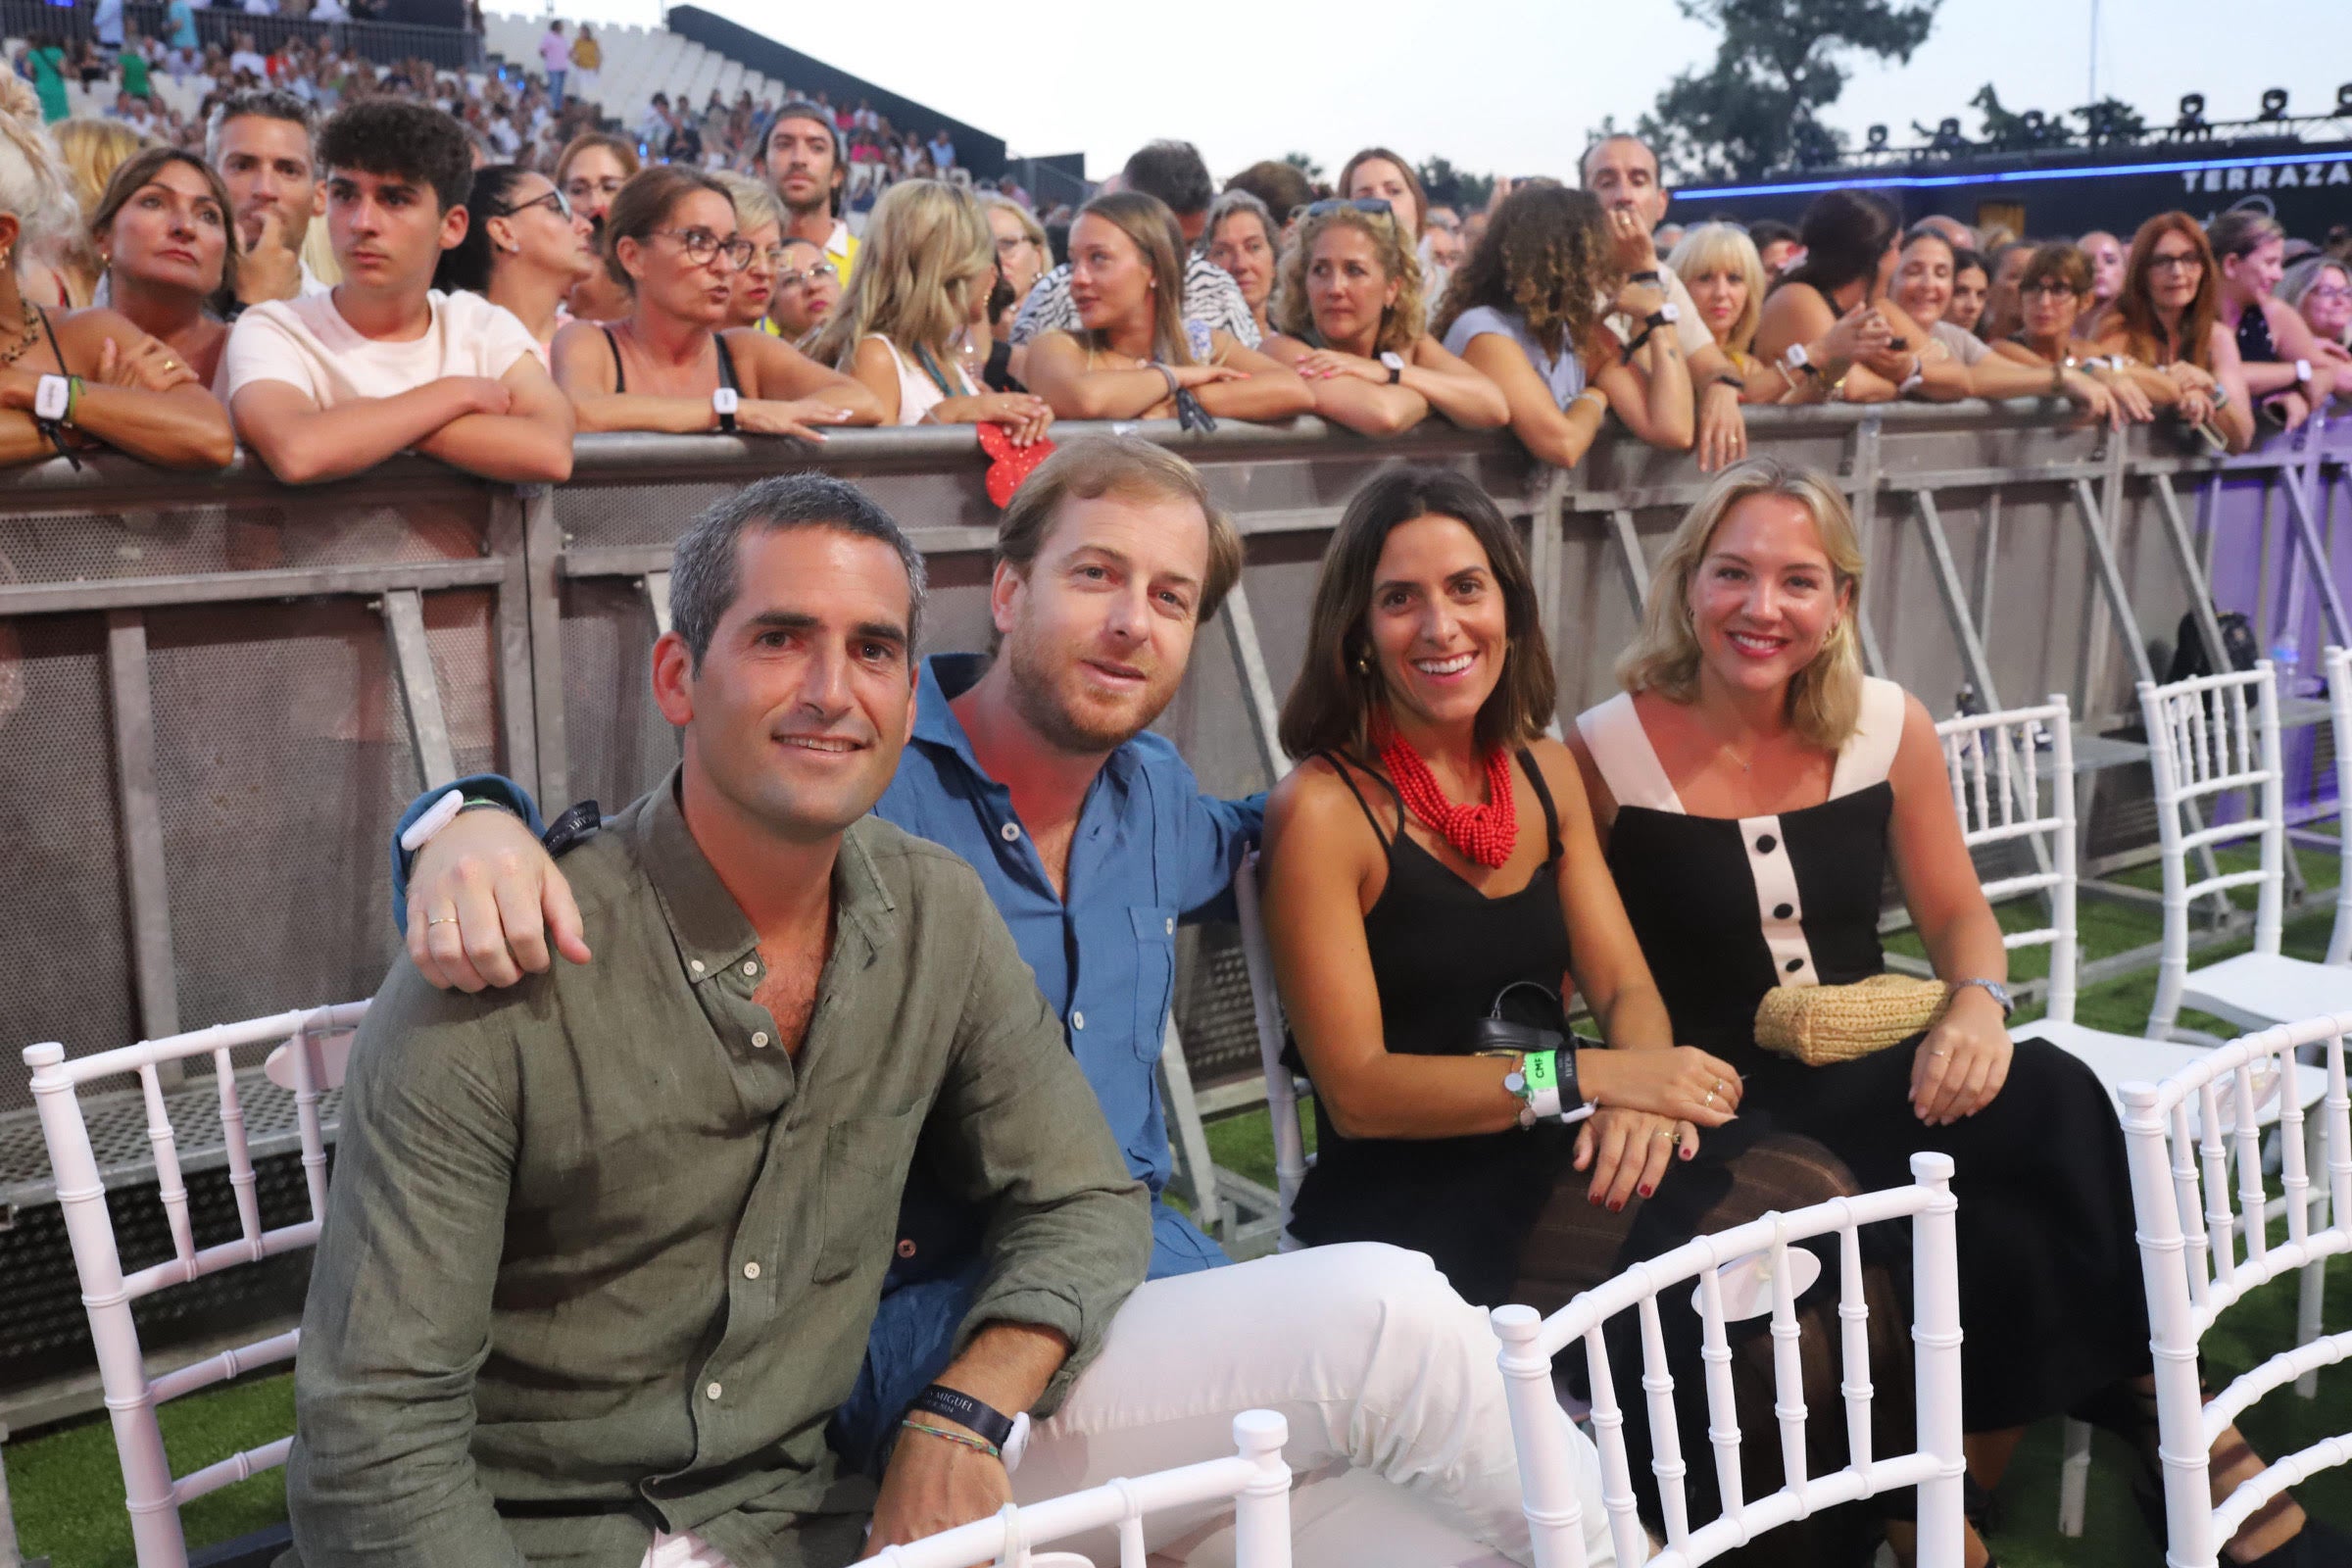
[
  {"x": 1753, "y": 787},
  {"x": 72, "y": 380}
]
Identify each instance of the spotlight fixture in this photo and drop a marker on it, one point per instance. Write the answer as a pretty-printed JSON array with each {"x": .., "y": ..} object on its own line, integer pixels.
[
  {"x": 2343, "y": 99},
  {"x": 2274, "y": 104},
  {"x": 1877, "y": 138}
]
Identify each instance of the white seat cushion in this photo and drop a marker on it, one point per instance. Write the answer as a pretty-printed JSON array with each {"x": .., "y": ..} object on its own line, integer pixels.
[
  {"x": 2257, "y": 990},
  {"x": 2119, "y": 1059}
]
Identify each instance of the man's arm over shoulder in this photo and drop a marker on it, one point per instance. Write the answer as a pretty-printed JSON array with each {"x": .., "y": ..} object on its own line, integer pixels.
[
  {"x": 398, "y": 1319},
  {"x": 1019, "y": 1126}
]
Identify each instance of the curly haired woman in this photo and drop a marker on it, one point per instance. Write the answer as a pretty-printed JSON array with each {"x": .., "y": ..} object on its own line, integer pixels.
[{"x": 1527, "y": 311}]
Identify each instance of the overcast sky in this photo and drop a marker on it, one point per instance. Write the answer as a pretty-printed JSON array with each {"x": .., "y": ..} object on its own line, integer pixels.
[{"x": 1513, "y": 86}]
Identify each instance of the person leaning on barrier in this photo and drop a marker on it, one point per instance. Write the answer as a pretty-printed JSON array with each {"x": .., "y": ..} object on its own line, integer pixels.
[
  {"x": 1925, "y": 272},
  {"x": 1970, "y": 282},
  {"x": 262, "y": 143},
  {"x": 525, "y": 249},
  {"x": 74, "y": 379},
  {"x": 1131, "y": 353},
  {"x": 1094, "y": 841},
  {"x": 2052, "y": 293},
  {"x": 918, "y": 301},
  {"x": 2165, "y": 332},
  {"x": 1352, "y": 323},
  {"x": 601, "y": 1255},
  {"x": 1525, "y": 311},
  {"x": 167, "y": 255},
  {"x": 1622, "y": 171},
  {"x": 673, "y": 364},
  {"x": 2319, "y": 288},
  {"x": 1172, "y": 174},
  {"x": 2105, "y": 254},
  {"x": 1829, "y": 325},
  {"x": 2283, "y": 369},
  {"x": 1726, "y": 279},
  {"x": 1244, "y": 242},
  {"x": 1748, "y": 751},
  {"x": 328, "y": 385}
]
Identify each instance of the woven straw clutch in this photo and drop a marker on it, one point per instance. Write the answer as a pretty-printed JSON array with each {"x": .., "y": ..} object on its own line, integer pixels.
[{"x": 1822, "y": 1024}]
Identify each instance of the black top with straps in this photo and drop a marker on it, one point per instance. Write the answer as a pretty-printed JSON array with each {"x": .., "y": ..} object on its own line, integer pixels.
[
  {"x": 2254, "y": 344},
  {"x": 718, "y": 340},
  {"x": 1441, "y": 952}
]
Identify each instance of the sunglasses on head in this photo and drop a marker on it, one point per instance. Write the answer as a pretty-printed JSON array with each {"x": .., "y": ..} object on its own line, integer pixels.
[{"x": 1376, "y": 205}]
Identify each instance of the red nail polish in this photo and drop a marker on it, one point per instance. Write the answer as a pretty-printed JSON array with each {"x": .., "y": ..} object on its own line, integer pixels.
[
  {"x": 1646, "y": 1191},
  {"x": 1616, "y": 1209}
]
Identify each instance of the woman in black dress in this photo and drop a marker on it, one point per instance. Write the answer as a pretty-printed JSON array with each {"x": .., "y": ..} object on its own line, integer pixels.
[
  {"x": 1432, "y": 860},
  {"x": 1752, "y": 788}
]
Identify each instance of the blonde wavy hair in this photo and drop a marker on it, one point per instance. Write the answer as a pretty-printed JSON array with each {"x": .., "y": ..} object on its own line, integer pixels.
[
  {"x": 1291, "y": 310},
  {"x": 756, "y": 204},
  {"x": 1725, "y": 248},
  {"x": 927, "y": 254},
  {"x": 35, "y": 188},
  {"x": 1824, "y": 699}
]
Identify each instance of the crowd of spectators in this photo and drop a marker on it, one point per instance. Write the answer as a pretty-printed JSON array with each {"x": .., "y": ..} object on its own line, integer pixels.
[{"x": 704, "y": 274}]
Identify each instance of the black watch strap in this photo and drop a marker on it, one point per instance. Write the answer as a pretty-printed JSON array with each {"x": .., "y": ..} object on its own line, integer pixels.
[
  {"x": 989, "y": 1423},
  {"x": 1572, "y": 1099},
  {"x": 574, "y": 826},
  {"x": 1647, "y": 275}
]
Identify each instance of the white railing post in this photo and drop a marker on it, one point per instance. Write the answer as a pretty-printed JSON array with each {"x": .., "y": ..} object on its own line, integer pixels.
[
  {"x": 156, "y": 1537},
  {"x": 1262, "y": 1513},
  {"x": 1936, "y": 1359},
  {"x": 1539, "y": 1433}
]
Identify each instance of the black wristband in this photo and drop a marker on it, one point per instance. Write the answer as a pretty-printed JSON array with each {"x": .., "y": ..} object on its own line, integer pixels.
[
  {"x": 1572, "y": 1099},
  {"x": 965, "y": 1411},
  {"x": 1647, "y": 275}
]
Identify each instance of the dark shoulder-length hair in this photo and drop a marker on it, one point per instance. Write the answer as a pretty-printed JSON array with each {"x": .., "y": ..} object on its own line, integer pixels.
[
  {"x": 1545, "y": 258},
  {"x": 1844, "y": 233},
  {"x": 1337, "y": 701},
  {"x": 468, "y": 264}
]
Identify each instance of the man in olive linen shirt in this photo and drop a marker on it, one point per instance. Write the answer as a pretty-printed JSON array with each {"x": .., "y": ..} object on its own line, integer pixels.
[{"x": 603, "y": 1249}]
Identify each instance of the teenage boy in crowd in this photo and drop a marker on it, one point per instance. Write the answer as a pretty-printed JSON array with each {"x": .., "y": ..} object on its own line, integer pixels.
[
  {"x": 261, "y": 143},
  {"x": 603, "y": 1251},
  {"x": 807, "y": 163},
  {"x": 327, "y": 386},
  {"x": 1093, "y": 840},
  {"x": 1622, "y": 171}
]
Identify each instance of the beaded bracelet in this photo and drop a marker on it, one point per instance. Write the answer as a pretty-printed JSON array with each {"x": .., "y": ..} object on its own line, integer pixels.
[{"x": 981, "y": 1443}]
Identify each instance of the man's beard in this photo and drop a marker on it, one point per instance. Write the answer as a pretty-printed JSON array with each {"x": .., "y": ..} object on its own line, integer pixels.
[{"x": 1037, "y": 693}]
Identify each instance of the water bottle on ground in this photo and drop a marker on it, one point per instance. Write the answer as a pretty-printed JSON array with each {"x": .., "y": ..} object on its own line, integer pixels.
[{"x": 2285, "y": 656}]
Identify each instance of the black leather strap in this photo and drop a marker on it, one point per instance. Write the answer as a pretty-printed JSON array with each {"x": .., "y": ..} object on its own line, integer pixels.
[{"x": 965, "y": 1411}]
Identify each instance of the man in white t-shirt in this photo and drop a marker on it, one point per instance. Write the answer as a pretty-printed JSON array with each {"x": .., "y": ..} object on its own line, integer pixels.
[
  {"x": 1622, "y": 171},
  {"x": 327, "y": 385}
]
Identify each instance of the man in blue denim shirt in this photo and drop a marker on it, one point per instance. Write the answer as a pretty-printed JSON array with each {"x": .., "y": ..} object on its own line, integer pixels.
[{"x": 1093, "y": 839}]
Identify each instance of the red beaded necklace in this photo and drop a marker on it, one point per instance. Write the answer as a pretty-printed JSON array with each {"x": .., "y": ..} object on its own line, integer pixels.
[{"x": 1485, "y": 834}]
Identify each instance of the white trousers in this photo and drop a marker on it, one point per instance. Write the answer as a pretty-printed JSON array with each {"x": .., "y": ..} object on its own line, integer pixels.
[
  {"x": 1389, "y": 1380},
  {"x": 688, "y": 1550}
]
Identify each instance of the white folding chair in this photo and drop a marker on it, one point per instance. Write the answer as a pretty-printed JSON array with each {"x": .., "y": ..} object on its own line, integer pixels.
[
  {"x": 152, "y": 1494},
  {"x": 2200, "y": 1256},
  {"x": 2211, "y": 736},
  {"x": 2337, "y": 662},
  {"x": 1255, "y": 1478},
  {"x": 1282, "y": 1089},
  {"x": 1747, "y": 1259}
]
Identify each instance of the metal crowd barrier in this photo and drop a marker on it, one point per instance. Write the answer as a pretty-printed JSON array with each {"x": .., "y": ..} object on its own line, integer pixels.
[{"x": 215, "y": 693}]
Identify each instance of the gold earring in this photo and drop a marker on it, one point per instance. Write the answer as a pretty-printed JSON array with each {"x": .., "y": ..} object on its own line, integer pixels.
[{"x": 1364, "y": 664}]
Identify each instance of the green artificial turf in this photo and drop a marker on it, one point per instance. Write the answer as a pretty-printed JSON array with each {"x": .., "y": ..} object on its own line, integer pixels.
[{"x": 69, "y": 1493}]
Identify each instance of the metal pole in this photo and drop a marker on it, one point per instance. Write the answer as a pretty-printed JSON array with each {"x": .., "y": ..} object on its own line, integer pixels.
[{"x": 10, "y": 1555}]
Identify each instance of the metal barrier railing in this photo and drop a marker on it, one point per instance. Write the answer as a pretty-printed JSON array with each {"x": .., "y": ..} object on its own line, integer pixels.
[{"x": 215, "y": 693}]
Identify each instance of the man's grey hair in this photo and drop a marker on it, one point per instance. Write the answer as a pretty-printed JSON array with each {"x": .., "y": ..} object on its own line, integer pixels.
[
  {"x": 705, "y": 573},
  {"x": 1583, "y": 164},
  {"x": 1230, "y": 203},
  {"x": 265, "y": 103}
]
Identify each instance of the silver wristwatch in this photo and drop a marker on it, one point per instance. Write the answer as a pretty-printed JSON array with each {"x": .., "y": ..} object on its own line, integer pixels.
[{"x": 1992, "y": 987}]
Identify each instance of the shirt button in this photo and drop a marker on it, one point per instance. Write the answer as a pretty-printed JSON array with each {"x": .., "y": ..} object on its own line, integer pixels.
[
  {"x": 759, "y": 1040},
  {"x": 1767, "y": 844},
  {"x": 1171, "y": 926},
  {"x": 711, "y": 1391},
  {"x": 905, "y": 1247},
  {"x": 1782, "y": 912},
  {"x": 751, "y": 1271},
  {"x": 1010, "y": 832},
  {"x": 1077, "y": 1020},
  {"x": 750, "y": 967},
  {"x": 696, "y": 964}
]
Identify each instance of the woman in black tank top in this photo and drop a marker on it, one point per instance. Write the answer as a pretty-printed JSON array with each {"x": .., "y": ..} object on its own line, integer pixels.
[
  {"x": 1434, "y": 862},
  {"x": 673, "y": 364}
]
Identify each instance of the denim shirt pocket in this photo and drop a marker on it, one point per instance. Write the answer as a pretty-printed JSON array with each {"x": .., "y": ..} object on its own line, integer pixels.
[
  {"x": 865, "y": 1170},
  {"x": 1155, "y": 975}
]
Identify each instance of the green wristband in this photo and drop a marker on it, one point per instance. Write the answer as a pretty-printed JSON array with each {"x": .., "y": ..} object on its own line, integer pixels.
[{"x": 1543, "y": 1070}]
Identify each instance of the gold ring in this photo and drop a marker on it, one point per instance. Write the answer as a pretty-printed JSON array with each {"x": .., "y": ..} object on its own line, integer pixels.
[
  {"x": 1668, "y": 1136},
  {"x": 441, "y": 919},
  {"x": 1710, "y": 1099}
]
